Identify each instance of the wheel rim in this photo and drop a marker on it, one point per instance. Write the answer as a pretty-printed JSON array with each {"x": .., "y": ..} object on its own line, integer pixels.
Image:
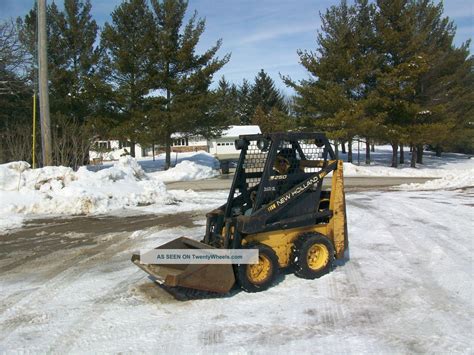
[
  {"x": 317, "y": 257},
  {"x": 259, "y": 273}
]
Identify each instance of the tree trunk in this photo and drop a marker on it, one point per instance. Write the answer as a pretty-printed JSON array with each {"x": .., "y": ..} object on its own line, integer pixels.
[
  {"x": 153, "y": 150},
  {"x": 132, "y": 149},
  {"x": 402, "y": 155},
  {"x": 419, "y": 153},
  {"x": 372, "y": 149},
  {"x": 438, "y": 150},
  {"x": 168, "y": 151},
  {"x": 413, "y": 156},
  {"x": 394, "y": 155},
  {"x": 349, "y": 147},
  {"x": 367, "y": 152},
  {"x": 336, "y": 149},
  {"x": 343, "y": 147}
]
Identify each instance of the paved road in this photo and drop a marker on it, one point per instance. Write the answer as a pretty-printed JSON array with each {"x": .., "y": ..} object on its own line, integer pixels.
[{"x": 351, "y": 183}]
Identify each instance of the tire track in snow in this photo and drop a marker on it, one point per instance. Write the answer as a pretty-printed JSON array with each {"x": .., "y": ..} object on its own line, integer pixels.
[
  {"x": 81, "y": 262},
  {"x": 425, "y": 291}
]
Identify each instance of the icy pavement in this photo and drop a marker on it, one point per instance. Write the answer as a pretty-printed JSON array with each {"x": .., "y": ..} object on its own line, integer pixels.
[{"x": 407, "y": 288}]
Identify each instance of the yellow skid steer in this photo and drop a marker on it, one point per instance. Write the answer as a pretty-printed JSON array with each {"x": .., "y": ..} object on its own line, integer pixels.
[{"x": 278, "y": 205}]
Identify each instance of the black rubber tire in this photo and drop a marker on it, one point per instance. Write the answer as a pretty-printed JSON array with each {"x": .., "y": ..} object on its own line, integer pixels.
[
  {"x": 241, "y": 270},
  {"x": 299, "y": 256}
]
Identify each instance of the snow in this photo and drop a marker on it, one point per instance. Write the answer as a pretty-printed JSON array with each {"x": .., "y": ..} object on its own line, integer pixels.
[
  {"x": 432, "y": 166},
  {"x": 185, "y": 171},
  {"x": 235, "y": 131},
  {"x": 407, "y": 288},
  {"x": 451, "y": 181},
  {"x": 138, "y": 184},
  {"x": 26, "y": 192},
  {"x": 149, "y": 164}
]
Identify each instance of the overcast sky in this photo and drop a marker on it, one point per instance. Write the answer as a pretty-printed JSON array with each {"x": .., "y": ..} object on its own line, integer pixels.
[{"x": 260, "y": 34}]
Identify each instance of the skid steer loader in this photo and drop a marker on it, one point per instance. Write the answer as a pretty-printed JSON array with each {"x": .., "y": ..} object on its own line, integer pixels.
[{"x": 277, "y": 204}]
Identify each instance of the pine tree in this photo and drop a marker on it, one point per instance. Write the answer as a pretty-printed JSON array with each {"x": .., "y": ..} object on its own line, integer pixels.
[
  {"x": 264, "y": 94},
  {"x": 245, "y": 106},
  {"x": 329, "y": 99},
  {"x": 366, "y": 60},
  {"x": 273, "y": 121},
  {"x": 227, "y": 97},
  {"x": 458, "y": 101},
  {"x": 415, "y": 41},
  {"x": 74, "y": 71},
  {"x": 73, "y": 66},
  {"x": 126, "y": 41},
  {"x": 183, "y": 75},
  {"x": 15, "y": 96}
]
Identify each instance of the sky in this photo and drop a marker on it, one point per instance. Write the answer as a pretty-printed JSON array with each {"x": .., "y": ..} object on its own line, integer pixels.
[{"x": 263, "y": 34}]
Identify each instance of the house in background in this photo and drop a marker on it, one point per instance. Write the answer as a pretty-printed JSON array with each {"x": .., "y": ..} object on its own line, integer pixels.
[
  {"x": 222, "y": 147},
  {"x": 184, "y": 143}
]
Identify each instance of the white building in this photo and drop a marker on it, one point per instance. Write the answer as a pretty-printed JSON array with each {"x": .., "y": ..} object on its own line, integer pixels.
[
  {"x": 185, "y": 143},
  {"x": 222, "y": 147}
]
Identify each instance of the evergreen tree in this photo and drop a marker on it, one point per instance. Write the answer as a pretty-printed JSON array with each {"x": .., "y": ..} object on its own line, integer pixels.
[
  {"x": 245, "y": 106},
  {"x": 446, "y": 83},
  {"x": 388, "y": 72},
  {"x": 366, "y": 60},
  {"x": 15, "y": 96},
  {"x": 415, "y": 41},
  {"x": 74, "y": 70},
  {"x": 227, "y": 97},
  {"x": 458, "y": 101},
  {"x": 264, "y": 94},
  {"x": 73, "y": 65},
  {"x": 127, "y": 44},
  {"x": 182, "y": 75},
  {"x": 273, "y": 121},
  {"x": 328, "y": 101}
]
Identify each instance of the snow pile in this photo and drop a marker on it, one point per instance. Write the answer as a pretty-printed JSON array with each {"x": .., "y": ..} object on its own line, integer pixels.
[
  {"x": 453, "y": 180},
  {"x": 432, "y": 166},
  {"x": 200, "y": 158},
  {"x": 186, "y": 171},
  {"x": 61, "y": 191},
  {"x": 353, "y": 170}
]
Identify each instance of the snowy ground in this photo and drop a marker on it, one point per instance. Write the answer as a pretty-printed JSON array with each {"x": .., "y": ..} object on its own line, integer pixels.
[
  {"x": 69, "y": 286},
  {"x": 129, "y": 184},
  {"x": 407, "y": 288},
  {"x": 432, "y": 166}
]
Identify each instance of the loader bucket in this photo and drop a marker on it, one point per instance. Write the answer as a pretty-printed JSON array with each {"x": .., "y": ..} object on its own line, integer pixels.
[{"x": 205, "y": 277}]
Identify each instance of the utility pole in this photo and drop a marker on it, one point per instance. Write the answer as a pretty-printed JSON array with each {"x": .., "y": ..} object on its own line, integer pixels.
[{"x": 43, "y": 85}]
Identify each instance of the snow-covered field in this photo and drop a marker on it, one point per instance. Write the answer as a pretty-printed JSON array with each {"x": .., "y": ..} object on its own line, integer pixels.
[{"x": 407, "y": 288}]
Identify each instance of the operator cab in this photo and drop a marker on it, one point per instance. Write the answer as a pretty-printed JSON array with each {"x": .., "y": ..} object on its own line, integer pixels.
[{"x": 271, "y": 165}]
